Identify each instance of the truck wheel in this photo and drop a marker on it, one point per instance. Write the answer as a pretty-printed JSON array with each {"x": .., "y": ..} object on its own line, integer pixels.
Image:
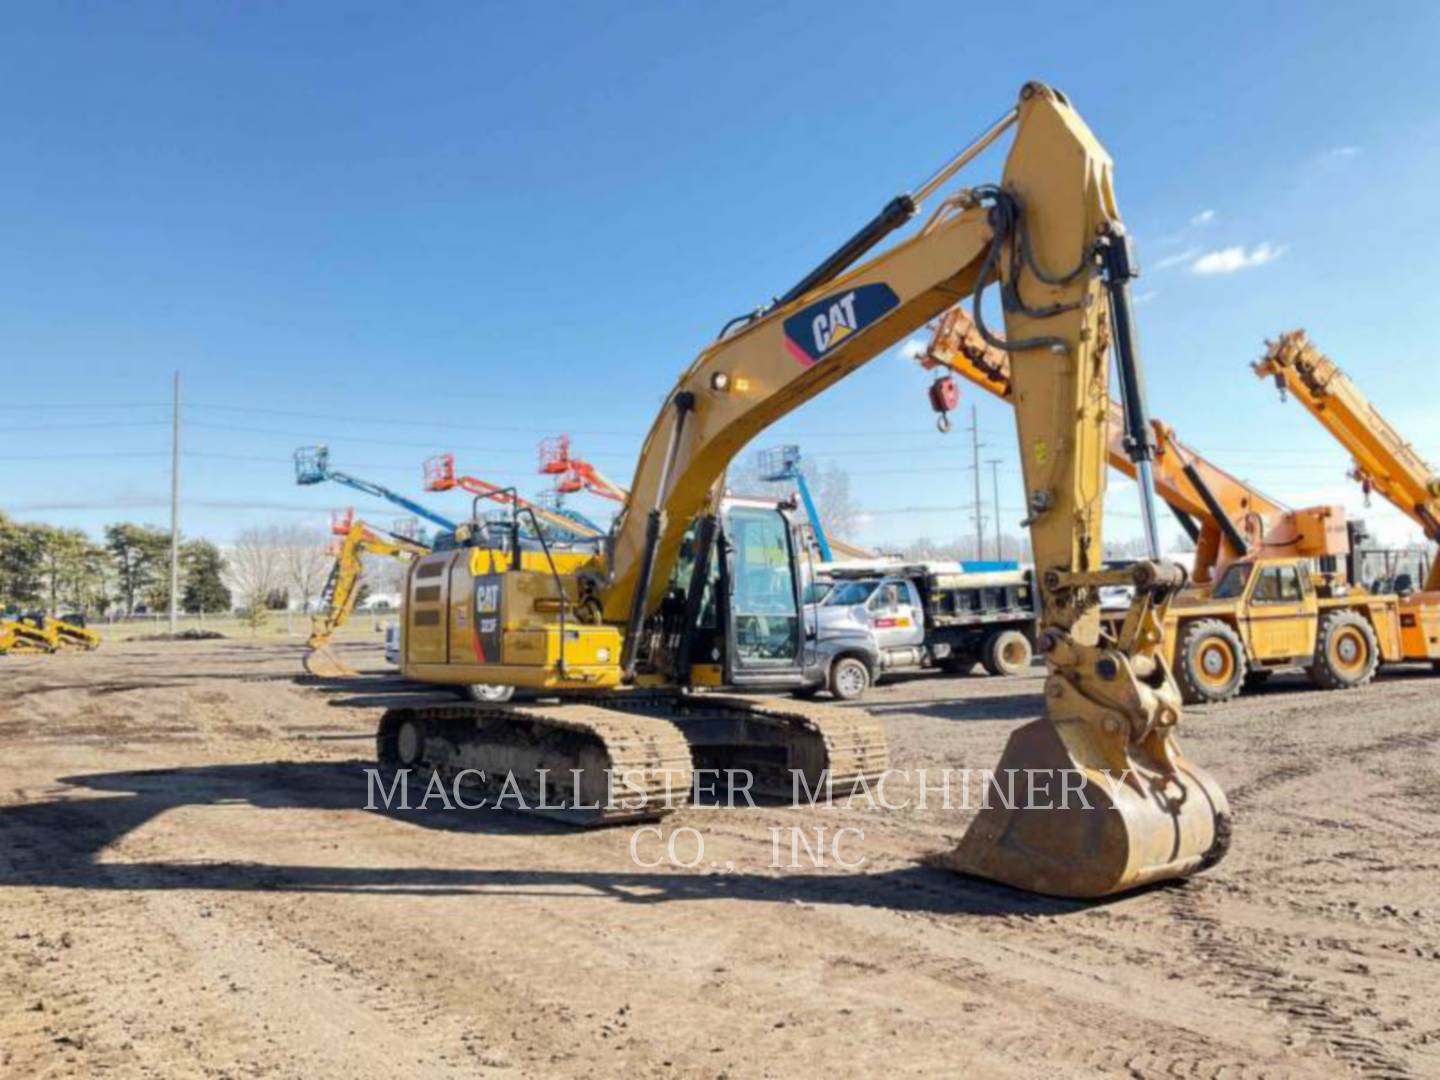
[
  {"x": 485, "y": 693},
  {"x": 1346, "y": 652},
  {"x": 1210, "y": 662},
  {"x": 1007, "y": 653},
  {"x": 849, "y": 678}
]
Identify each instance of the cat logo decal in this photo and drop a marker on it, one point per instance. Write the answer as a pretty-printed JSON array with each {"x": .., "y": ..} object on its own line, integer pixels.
[{"x": 815, "y": 330}]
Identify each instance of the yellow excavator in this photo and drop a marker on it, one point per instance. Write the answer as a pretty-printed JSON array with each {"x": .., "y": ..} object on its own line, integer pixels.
[
  {"x": 1383, "y": 462},
  {"x": 342, "y": 589},
  {"x": 697, "y": 597}
]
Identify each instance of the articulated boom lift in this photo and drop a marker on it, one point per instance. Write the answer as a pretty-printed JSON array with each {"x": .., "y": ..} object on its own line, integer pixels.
[
  {"x": 697, "y": 594},
  {"x": 342, "y": 589},
  {"x": 312, "y": 466},
  {"x": 574, "y": 474},
  {"x": 564, "y": 524},
  {"x": 1226, "y": 518},
  {"x": 1383, "y": 462}
]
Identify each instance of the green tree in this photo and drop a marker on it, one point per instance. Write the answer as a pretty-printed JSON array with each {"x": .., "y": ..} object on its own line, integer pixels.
[
  {"x": 139, "y": 554},
  {"x": 72, "y": 569},
  {"x": 203, "y": 578},
  {"x": 22, "y": 583}
]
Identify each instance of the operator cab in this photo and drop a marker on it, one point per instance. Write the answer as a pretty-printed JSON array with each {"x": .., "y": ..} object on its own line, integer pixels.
[{"x": 748, "y": 628}]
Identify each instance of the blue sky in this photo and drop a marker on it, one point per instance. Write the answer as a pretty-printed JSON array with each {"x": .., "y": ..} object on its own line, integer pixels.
[{"x": 406, "y": 228}]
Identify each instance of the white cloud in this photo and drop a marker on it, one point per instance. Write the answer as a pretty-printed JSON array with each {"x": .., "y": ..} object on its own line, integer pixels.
[
  {"x": 1204, "y": 217},
  {"x": 1145, "y": 297},
  {"x": 1340, "y": 153},
  {"x": 914, "y": 348},
  {"x": 1228, "y": 260},
  {"x": 1175, "y": 260}
]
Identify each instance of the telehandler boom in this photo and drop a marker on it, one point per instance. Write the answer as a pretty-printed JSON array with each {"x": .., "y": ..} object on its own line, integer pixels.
[{"x": 697, "y": 593}]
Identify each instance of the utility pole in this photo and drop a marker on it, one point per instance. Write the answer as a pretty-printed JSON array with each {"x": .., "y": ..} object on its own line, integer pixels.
[
  {"x": 994, "y": 464},
  {"x": 975, "y": 445},
  {"x": 175, "y": 510}
]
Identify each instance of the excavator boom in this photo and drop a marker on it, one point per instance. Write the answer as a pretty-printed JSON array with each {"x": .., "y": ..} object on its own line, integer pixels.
[{"x": 342, "y": 592}]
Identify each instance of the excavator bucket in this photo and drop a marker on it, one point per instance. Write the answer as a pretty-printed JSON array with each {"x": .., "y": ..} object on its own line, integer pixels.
[
  {"x": 322, "y": 662},
  {"x": 1060, "y": 818}
]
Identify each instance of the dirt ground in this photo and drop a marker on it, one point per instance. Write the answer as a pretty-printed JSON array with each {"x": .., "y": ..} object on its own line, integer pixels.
[{"x": 190, "y": 886}]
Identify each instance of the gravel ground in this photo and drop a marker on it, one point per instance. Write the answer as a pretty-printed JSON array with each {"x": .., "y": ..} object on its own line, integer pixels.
[{"x": 191, "y": 886}]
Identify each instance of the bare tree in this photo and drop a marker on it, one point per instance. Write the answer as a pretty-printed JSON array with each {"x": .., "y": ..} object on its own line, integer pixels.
[
  {"x": 256, "y": 565},
  {"x": 305, "y": 561},
  {"x": 829, "y": 487}
]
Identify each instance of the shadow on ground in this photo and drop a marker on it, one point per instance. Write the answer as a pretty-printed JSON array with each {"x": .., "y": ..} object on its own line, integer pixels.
[{"x": 59, "y": 843}]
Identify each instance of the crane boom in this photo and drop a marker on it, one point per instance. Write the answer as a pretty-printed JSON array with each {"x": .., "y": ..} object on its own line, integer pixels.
[
  {"x": 1384, "y": 461},
  {"x": 1227, "y": 518}
]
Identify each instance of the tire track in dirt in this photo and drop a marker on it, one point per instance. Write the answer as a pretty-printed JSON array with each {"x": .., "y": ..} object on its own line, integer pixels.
[{"x": 1329, "y": 1017}]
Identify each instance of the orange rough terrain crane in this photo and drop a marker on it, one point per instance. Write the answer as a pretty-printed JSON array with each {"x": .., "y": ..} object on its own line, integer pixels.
[
  {"x": 1260, "y": 606},
  {"x": 1384, "y": 462},
  {"x": 1225, "y": 517}
]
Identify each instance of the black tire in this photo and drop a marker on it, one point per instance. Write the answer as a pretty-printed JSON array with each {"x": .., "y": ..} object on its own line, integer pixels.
[
  {"x": 849, "y": 678},
  {"x": 1210, "y": 662},
  {"x": 1346, "y": 652},
  {"x": 486, "y": 694},
  {"x": 1006, "y": 652},
  {"x": 1257, "y": 677}
]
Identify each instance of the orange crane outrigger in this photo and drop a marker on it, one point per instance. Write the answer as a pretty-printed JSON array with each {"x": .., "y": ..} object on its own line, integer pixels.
[{"x": 1227, "y": 518}]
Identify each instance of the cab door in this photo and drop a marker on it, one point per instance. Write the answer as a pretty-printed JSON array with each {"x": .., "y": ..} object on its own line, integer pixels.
[
  {"x": 760, "y": 590},
  {"x": 895, "y": 616},
  {"x": 1281, "y": 613}
]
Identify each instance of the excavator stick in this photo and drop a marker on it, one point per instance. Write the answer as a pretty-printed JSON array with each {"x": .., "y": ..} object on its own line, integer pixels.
[{"x": 1130, "y": 808}]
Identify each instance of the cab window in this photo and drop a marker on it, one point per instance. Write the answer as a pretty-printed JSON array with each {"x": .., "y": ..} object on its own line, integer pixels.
[
  {"x": 1278, "y": 585},
  {"x": 886, "y": 598},
  {"x": 850, "y": 593},
  {"x": 1232, "y": 583}
]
